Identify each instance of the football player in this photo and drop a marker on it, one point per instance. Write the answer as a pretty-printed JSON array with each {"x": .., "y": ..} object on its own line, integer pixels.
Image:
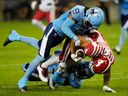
[
  {"x": 72, "y": 77},
  {"x": 76, "y": 72},
  {"x": 123, "y": 4},
  {"x": 95, "y": 46},
  {"x": 57, "y": 30},
  {"x": 46, "y": 10}
]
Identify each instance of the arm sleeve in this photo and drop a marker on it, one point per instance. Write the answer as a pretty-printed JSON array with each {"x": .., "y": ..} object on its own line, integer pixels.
[{"x": 67, "y": 30}]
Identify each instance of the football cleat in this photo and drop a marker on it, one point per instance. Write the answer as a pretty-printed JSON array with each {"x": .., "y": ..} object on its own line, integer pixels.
[
  {"x": 7, "y": 41},
  {"x": 22, "y": 84},
  {"x": 51, "y": 84},
  {"x": 117, "y": 50},
  {"x": 42, "y": 73},
  {"x": 23, "y": 89},
  {"x": 13, "y": 36},
  {"x": 108, "y": 89}
]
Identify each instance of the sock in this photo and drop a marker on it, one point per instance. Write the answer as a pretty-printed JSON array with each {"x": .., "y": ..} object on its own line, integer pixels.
[
  {"x": 30, "y": 41},
  {"x": 33, "y": 65},
  {"x": 52, "y": 60},
  {"x": 38, "y": 24}
]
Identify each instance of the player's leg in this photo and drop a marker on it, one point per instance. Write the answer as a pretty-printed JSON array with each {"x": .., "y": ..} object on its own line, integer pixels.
[
  {"x": 22, "y": 84},
  {"x": 42, "y": 69},
  {"x": 51, "y": 38},
  {"x": 14, "y": 36},
  {"x": 34, "y": 76},
  {"x": 51, "y": 70},
  {"x": 65, "y": 51},
  {"x": 64, "y": 56},
  {"x": 123, "y": 35},
  {"x": 37, "y": 20},
  {"x": 121, "y": 41},
  {"x": 56, "y": 78},
  {"x": 52, "y": 60},
  {"x": 47, "y": 43}
]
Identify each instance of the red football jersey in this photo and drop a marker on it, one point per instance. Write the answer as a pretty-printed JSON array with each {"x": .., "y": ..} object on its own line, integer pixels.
[{"x": 99, "y": 51}]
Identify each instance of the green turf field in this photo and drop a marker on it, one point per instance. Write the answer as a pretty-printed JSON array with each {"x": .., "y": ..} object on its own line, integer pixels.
[{"x": 15, "y": 54}]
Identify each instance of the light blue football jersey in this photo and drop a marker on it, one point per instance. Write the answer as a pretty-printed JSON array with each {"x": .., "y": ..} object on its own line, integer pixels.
[
  {"x": 124, "y": 7},
  {"x": 78, "y": 14}
]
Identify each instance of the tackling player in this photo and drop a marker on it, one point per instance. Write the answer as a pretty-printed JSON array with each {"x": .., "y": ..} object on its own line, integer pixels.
[{"x": 95, "y": 47}]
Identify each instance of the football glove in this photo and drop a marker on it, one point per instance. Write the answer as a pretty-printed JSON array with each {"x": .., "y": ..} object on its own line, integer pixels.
[
  {"x": 76, "y": 58},
  {"x": 33, "y": 5},
  {"x": 77, "y": 42},
  {"x": 61, "y": 67}
]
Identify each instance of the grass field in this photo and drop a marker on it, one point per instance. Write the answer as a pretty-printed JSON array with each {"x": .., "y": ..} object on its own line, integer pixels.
[{"x": 15, "y": 54}]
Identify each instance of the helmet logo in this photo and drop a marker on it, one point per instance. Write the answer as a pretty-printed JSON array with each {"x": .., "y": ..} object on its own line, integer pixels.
[{"x": 93, "y": 11}]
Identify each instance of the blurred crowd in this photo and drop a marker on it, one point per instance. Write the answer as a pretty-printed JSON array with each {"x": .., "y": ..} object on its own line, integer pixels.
[
  {"x": 22, "y": 9},
  {"x": 13, "y": 9}
]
